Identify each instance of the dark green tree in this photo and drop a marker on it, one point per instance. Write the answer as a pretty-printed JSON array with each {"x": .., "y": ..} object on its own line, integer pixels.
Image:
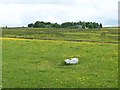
[
  {"x": 30, "y": 25},
  {"x": 95, "y": 25},
  {"x": 55, "y": 25},
  {"x": 36, "y": 24},
  {"x": 83, "y": 25},
  {"x": 39, "y": 24},
  {"x": 90, "y": 25},
  {"x": 100, "y": 25}
]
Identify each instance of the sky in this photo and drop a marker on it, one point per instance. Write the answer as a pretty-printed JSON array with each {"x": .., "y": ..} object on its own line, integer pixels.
[{"x": 17, "y": 13}]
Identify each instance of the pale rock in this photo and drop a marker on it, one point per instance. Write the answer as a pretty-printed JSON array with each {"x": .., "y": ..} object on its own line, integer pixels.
[{"x": 71, "y": 61}]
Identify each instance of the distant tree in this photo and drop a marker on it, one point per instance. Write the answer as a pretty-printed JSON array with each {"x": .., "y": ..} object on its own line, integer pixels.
[
  {"x": 42, "y": 24},
  {"x": 47, "y": 23},
  {"x": 30, "y": 25},
  {"x": 83, "y": 25},
  {"x": 79, "y": 23},
  {"x": 95, "y": 25},
  {"x": 39, "y": 24},
  {"x": 87, "y": 24},
  {"x": 100, "y": 25},
  {"x": 90, "y": 25},
  {"x": 67, "y": 24},
  {"x": 64, "y": 25},
  {"x": 36, "y": 24},
  {"x": 56, "y": 25}
]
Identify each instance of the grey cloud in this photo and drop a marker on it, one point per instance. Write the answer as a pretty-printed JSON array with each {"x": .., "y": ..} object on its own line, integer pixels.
[{"x": 58, "y": 10}]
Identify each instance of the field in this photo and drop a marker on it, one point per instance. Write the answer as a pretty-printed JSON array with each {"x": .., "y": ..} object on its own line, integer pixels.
[
  {"x": 105, "y": 35},
  {"x": 34, "y": 58}
]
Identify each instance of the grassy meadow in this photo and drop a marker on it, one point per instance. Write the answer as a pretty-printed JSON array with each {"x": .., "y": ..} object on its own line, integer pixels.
[
  {"x": 34, "y": 58},
  {"x": 104, "y": 35}
]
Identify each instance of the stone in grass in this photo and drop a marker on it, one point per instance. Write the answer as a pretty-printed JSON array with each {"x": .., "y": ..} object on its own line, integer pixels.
[{"x": 71, "y": 61}]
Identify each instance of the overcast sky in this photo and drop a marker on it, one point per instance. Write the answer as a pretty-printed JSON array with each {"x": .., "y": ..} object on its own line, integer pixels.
[{"x": 22, "y": 12}]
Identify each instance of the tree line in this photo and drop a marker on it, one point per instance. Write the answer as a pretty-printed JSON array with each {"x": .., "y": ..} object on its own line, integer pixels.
[{"x": 84, "y": 25}]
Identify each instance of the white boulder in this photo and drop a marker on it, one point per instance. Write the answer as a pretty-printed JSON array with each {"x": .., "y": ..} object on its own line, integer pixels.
[{"x": 71, "y": 61}]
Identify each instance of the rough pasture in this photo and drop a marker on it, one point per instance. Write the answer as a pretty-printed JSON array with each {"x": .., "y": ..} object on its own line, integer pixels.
[{"x": 39, "y": 63}]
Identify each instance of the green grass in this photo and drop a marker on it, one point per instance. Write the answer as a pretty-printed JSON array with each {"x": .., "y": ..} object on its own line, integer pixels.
[
  {"x": 104, "y": 35},
  {"x": 40, "y": 64},
  {"x": 38, "y": 61}
]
